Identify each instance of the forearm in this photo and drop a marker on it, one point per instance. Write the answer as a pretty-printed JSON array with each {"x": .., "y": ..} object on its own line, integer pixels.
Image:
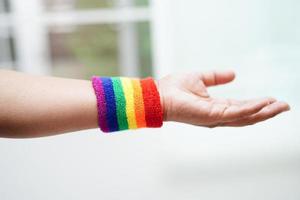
[{"x": 35, "y": 106}]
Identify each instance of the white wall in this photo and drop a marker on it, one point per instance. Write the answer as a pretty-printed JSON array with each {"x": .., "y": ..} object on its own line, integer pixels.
[{"x": 260, "y": 41}]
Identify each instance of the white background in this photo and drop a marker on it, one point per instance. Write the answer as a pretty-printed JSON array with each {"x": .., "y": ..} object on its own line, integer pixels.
[{"x": 258, "y": 39}]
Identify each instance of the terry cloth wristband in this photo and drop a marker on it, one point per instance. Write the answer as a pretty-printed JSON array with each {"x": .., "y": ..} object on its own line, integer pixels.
[{"x": 127, "y": 103}]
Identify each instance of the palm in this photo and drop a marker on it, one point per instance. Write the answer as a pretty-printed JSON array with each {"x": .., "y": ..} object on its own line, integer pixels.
[{"x": 185, "y": 99}]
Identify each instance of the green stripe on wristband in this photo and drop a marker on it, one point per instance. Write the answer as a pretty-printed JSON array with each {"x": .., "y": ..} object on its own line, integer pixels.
[{"x": 120, "y": 103}]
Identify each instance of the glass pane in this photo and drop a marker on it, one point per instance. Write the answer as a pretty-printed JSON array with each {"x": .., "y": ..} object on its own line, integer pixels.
[
  {"x": 76, "y": 4},
  {"x": 4, "y": 6},
  {"x": 7, "y": 54},
  {"x": 142, "y": 2},
  {"x": 6, "y": 40},
  {"x": 83, "y": 51},
  {"x": 90, "y": 4},
  {"x": 4, "y": 50},
  {"x": 144, "y": 45}
]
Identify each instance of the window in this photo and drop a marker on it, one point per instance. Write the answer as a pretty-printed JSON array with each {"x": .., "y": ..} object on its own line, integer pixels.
[{"x": 78, "y": 38}]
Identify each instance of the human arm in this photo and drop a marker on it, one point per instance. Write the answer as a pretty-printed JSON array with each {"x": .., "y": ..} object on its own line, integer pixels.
[{"x": 36, "y": 106}]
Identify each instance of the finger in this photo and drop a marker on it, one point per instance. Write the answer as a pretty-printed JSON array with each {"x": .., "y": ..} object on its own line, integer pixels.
[
  {"x": 266, "y": 113},
  {"x": 217, "y": 77},
  {"x": 231, "y": 102},
  {"x": 250, "y": 107}
]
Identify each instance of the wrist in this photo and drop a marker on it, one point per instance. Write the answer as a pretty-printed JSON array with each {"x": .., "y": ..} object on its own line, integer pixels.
[
  {"x": 162, "y": 102},
  {"x": 127, "y": 103}
]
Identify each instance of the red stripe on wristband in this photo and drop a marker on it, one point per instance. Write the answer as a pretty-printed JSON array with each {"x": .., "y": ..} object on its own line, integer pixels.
[{"x": 153, "y": 108}]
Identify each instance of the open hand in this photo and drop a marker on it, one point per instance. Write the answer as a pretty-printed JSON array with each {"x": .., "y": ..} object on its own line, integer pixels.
[{"x": 185, "y": 99}]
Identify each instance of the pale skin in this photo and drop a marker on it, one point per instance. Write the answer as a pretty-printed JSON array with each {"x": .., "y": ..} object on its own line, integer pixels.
[{"x": 37, "y": 106}]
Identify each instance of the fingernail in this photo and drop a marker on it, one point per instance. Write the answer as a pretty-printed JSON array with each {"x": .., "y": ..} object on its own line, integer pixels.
[{"x": 287, "y": 106}]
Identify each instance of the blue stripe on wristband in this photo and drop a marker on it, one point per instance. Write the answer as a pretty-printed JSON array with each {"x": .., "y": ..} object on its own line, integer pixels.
[{"x": 110, "y": 104}]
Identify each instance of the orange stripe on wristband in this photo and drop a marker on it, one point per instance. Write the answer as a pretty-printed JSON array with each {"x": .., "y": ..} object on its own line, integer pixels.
[{"x": 138, "y": 103}]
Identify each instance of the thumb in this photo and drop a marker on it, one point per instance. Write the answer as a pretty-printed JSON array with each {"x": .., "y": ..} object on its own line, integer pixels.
[{"x": 217, "y": 77}]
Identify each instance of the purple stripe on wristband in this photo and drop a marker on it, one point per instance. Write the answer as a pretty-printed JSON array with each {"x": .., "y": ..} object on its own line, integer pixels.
[{"x": 101, "y": 103}]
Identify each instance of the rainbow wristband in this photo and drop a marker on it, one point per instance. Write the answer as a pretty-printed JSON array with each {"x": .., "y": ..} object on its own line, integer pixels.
[{"x": 125, "y": 103}]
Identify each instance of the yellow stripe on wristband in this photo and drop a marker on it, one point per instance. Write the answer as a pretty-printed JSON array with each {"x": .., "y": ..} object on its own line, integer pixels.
[{"x": 129, "y": 97}]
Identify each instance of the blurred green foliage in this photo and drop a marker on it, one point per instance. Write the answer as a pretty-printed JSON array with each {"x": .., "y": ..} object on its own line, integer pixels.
[
  {"x": 84, "y": 4},
  {"x": 145, "y": 54},
  {"x": 95, "y": 47}
]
